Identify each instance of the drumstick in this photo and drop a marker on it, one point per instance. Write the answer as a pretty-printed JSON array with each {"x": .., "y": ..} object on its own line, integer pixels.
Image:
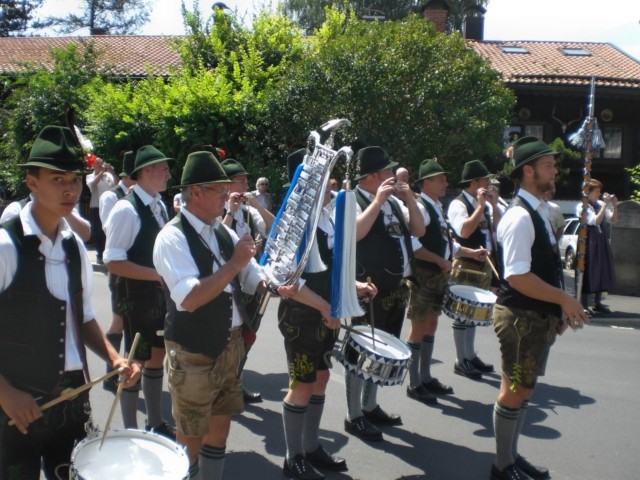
[
  {"x": 466, "y": 270},
  {"x": 72, "y": 393},
  {"x": 116, "y": 400},
  {"x": 493, "y": 268},
  {"x": 373, "y": 335},
  {"x": 362, "y": 334}
]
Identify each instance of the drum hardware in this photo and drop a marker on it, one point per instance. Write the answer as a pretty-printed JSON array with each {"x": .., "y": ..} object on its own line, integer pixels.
[
  {"x": 385, "y": 365},
  {"x": 373, "y": 337},
  {"x": 116, "y": 400},
  {"x": 71, "y": 393},
  {"x": 129, "y": 454},
  {"x": 468, "y": 304}
]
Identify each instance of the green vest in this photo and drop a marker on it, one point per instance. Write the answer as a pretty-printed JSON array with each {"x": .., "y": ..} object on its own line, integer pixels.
[
  {"x": 141, "y": 252},
  {"x": 206, "y": 330},
  {"x": 545, "y": 263},
  {"x": 432, "y": 240},
  {"x": 33, "y": 321}
]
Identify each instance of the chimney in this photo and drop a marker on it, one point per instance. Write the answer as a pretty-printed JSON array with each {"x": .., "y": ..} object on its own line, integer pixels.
[
  {"x": 98, "y": 31},
  {"x": 474, "y": 23},
  {"x": 437, "y": 11}
]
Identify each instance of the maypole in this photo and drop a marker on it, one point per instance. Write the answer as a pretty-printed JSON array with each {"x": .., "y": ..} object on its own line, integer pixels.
[{"x": 587, "y": 137}]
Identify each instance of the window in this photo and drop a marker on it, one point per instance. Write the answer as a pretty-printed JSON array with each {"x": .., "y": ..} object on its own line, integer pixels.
[
  {"x": 613, "y": 142},
  {"x": 534, "y": 131},
  {"x": 575, "y": 52},
  {"x": 514, "y": 49}
]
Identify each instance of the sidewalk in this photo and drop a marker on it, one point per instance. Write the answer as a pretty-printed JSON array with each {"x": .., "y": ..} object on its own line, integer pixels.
[{"x": 625, "y": 310}]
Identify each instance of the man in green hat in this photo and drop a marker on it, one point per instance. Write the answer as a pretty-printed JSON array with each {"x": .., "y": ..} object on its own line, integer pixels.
[
  {"x": 132, "y": 227},
  {"x": 531, "y": 300},
  {"x": 473, "y": 219},
  {"x": 205, "y": 267},
  {"x": 387, "y": 217},
  {"x": 47, "y": 317},
  {"x": 434, "y": 252},
  {"x": 107, "y": 200}
]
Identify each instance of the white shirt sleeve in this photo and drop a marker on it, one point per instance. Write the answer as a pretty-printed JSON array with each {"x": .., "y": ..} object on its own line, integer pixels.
[
  {"x": 107, "y": 200},
  {"x": 122, "y": 227},
  {"x": 457, "y": 214},
  {"x": 516, "y": 235}
]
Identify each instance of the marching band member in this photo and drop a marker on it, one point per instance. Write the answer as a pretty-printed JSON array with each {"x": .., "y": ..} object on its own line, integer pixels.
[
  {"x": 384, "y": 253},
  {"x": 132, "y": 227},
  {"x": 308, "y": 342},
  {"x": 434, "y": 252},
  {"x": 530, "y": 305},
  {"x": 205, "y": 267},
  {"x": 473, "y": 220},
  {"x": 45, "y": 287}
]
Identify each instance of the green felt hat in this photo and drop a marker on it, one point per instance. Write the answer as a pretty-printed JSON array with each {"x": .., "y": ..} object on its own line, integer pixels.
[
  {"x": 528, "y": 149},
  {"x": 202, "y": 167},
  {"x": 293, "y": 160},
  {"x": 146, "y": 156},
  {"x": 474, "y": 170},
  {"x": 233, "y": 168},
  {"x": 128, "y": 161},
  {"x": 372, "y": 160},
  {"x": 430, "y": 168},
  {"x": 56, "y": 148}
]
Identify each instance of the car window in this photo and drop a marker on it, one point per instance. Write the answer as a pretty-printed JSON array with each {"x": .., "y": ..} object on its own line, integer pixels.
[{"x": 571, "y": 226}]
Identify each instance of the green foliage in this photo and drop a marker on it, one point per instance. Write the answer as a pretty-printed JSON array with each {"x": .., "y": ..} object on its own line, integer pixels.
[
  {"x": 565, "y": 156},
  {"x": 635, "y": 180},
  {"x": 38, "y": 97},
  {"x": 412, "y": 90}
]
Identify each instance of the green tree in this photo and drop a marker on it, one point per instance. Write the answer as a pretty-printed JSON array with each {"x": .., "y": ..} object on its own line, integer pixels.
[
  {"x": 15, "y": 16},
  {"x": 416, "y": 92},
  {"x": 120, "y": 17}
]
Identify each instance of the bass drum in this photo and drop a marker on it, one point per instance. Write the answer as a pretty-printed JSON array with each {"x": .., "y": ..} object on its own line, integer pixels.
[{"x": 129, "y": 455}]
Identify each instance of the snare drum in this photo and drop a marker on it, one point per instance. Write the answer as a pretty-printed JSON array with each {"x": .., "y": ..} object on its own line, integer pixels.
[
  {"x": 468, "y": 304},
  {"x": 382, "y": 365},
  {"x": 129, "y": 455}
]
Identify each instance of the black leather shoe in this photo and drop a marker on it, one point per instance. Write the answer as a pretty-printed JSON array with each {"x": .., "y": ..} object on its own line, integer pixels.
[
  {"x": 480, "y": 365},
  {"x": 421, "y": 394},
  {"x": 434, "y": 386},
  {"x": 600, "y": 308},
  {"x": 251, "y": 397},
  {"x": 532, "y": 470},
  {"x": 163, "y": 429},
  {"x": 361, "y": 427},
  {"x": 510, "y": 473},
  {"x": 301, "y": 469},
  {"x": 378, "y": 416},
  {"x": 322, "y": 459},
  {"x": 467, "y": 370}
]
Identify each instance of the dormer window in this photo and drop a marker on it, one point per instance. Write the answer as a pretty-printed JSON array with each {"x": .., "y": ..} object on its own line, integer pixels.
[
  {"x": 575, "y": 52},
  {"x": 514, "y": 49}
]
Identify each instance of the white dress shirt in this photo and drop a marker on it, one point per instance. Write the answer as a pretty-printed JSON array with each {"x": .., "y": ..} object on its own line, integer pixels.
[
  {"x": 55, "y": 273},
  {"x": 516, "y": 234},
  {"x": 458, "y": 214},
  {"x": 242, "y": 226},
  {"x": 123, "y": 225},
  {"x": 175, "y": 264}
]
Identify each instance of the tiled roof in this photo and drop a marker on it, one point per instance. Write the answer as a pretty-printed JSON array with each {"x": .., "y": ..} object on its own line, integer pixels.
[
  {"x": 546, "y": 64},
  {"x": 127, "y": 54}
]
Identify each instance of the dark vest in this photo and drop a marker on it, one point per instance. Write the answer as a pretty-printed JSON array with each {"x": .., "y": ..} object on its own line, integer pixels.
[
  {"x": 141, "y": 252},
  {"x": 205, "y": 330},
  {"x": 432, "y": 240},
  {"x": 118, "y": 191},
  {"x": 33, "y": 325},
  {"x": 545, "y": 263},
  {"x": 378, "y": 254},
  {"x": 476, "y": 239},
  {"x": 320, "y": 282}
]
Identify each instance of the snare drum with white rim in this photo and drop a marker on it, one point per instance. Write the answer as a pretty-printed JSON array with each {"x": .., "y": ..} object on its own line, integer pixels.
[
  {"x": 129, "y": 455},
  {"x": 386, "y": 364},
  {"x": 468, "y": 304}
]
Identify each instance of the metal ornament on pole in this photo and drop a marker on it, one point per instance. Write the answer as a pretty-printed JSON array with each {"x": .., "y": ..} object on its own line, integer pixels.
[{"x": 587, "y": 137}]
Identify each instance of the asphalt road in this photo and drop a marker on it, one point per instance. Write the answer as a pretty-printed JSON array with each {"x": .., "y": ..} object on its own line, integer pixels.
[{"x": 582, "y": 423}]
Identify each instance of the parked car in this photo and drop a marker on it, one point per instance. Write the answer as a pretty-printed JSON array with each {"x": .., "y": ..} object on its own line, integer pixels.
[{"x": 569, "y": 242}]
